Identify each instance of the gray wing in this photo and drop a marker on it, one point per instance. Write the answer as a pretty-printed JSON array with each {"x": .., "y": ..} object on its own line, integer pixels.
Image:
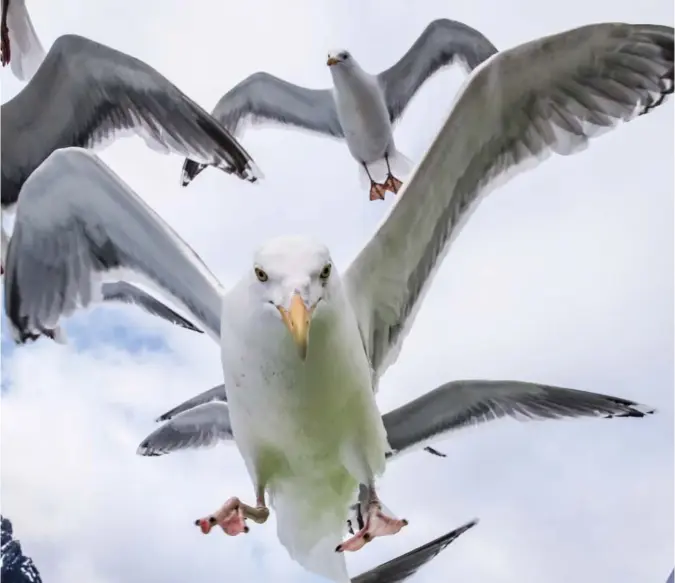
[
  {"x": 459, "y": 404},
  {"x": 215, "y": 394},
  {"x": 442, "y": 43},
  {"x": 405, "y": 566},
  {"x": 265, "y": 98},
  {"x": 121, "y": 291},
  {"x": 549, "y": 95},
  {"x": 202, "y": 426},
  {"x": 77, "y": 223},
  {"x": 85, "y": 94}
]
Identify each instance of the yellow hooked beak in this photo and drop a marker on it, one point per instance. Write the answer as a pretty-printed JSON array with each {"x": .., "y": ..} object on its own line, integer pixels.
[
  {"x": 297, "y": 320},
  {"x": 332, "y": 61}
]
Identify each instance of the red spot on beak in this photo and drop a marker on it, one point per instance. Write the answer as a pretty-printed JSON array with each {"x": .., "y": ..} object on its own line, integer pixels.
[{"x": 205, "y": 526}]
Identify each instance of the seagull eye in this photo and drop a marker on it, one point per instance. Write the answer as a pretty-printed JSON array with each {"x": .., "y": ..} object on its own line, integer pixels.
[
  {"x": 261, "y": 275},
  {"x": 344, "y": 56},
  {"x": 325, "y": 272}
]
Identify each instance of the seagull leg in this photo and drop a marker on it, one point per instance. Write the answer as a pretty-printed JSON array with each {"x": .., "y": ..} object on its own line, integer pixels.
[
  {"x": 376, "y": 190},
  {"x": 5, "y": 53},
  {"x": 376, "y": 524},
  {"x": 232, "y": 515},
  {"x": 391, "y": 184}
]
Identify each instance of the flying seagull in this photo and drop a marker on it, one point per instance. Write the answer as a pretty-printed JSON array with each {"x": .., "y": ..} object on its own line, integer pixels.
[
  {"x": 85, "y": 94},
  {"x": 302, "y": 404},
  {"x": 360, "y": 108},
  {"x": 20, "y": 46}
]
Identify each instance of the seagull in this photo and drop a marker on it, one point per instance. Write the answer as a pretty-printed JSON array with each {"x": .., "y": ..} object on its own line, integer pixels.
[
  {"x": 360, "y": 108},
  {"x": 17, "y": 32},
  {"x": 85, "y": 94},
  {"x": 204, "y": 420},
  {"x": 303, "y": 343}
]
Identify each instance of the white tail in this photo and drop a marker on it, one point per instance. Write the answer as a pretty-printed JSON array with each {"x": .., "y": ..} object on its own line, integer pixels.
[
  {"x": 401, "y": 166},
  {"x": 311, "y": 522},
  {"x": 27, "y": 53}
]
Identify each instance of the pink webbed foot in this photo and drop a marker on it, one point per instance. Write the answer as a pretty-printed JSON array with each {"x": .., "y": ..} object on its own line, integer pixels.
[
  {"x": 377, "y": 191},
  {"x": 377, "y": 524},
  {"x": 232, "y": 517},
  {"x": 392, "y": 184}
]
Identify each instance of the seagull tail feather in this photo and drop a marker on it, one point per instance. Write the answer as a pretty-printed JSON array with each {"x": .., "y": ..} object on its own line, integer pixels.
[
  {"x": 401, "y": 166},
  {"x": 310, "y": 525}
]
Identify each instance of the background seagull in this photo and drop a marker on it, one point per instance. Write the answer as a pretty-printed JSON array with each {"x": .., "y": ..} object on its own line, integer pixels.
[
  {"x": 302, "y": 405},
  {"x": 85, "y": 94},
  {"x": 20, "y": 46},
  {"x": 360, "y": 107}
]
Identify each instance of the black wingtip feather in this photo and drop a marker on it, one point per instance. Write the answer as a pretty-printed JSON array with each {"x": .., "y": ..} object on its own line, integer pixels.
[{"x": 190, "y": 170}]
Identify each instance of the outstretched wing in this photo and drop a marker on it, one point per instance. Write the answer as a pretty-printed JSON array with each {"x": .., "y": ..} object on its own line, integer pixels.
[
  {"x": 215, "y": 394},
  {"x": 405, "y": 566},
  {"x": 460, "y": 404},
  {"x": 84, "y": 94},
  {"x": 77, "y": 224},
  {"x": 263, "y": 98},
  {"x": 121, "y": 291},
  {"x": 202, "y": 426},
  {"x": 549, "y": 95},
  {"x": 442, "y": 43}
]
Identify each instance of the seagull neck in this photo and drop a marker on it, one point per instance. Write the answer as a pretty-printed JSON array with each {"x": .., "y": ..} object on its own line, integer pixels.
[{"x": 353, "y": 80}]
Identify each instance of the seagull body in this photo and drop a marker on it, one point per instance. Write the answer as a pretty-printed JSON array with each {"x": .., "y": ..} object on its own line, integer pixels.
[
  {"x": 308, "y": 428},
  {"x": 360, "y": 108},
  {"x": 549, "y": 95}
]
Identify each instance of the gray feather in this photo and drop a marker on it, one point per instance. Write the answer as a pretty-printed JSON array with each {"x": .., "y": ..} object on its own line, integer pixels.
[
  {"x": 76, "y": 222},
  {"x": 121, "y": 291},
  {"x": 85, "y": 93},
  {"x": 262, "y": 98},
  {"x": 441, "y": 43},
  {"x": 460, "y": 404},
  {"x": 405, "y": 566},
  {"x": 201, "y": 426}
]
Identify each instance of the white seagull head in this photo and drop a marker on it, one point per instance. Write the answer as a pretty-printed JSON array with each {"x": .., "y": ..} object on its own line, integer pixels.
[
  {"x": 294, "y": 277},
  {"x": 340, "y": 58}
]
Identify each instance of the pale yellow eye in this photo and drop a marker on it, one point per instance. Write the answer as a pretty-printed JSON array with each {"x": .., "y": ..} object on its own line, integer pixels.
[{"x": 261, "y": 275}]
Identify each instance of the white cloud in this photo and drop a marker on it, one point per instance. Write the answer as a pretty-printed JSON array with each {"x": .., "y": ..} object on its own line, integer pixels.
[{"x": 564, "y": 276}]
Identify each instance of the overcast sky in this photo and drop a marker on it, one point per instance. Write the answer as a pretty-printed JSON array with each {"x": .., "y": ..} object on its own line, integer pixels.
[{"x": 563, "y": 276}]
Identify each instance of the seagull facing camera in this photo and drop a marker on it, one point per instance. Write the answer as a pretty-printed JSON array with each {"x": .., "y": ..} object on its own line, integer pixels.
[
  {"x": 337, "y": 57},
  {"x": 293, "y": 275}
]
